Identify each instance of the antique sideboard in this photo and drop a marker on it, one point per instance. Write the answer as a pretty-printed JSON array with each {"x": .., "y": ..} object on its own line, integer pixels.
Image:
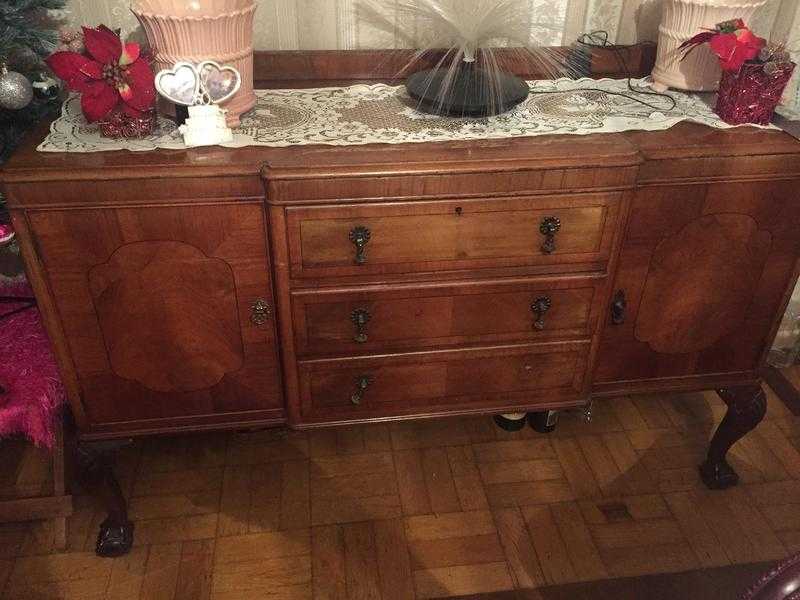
[{"x": 313, "y": 286}]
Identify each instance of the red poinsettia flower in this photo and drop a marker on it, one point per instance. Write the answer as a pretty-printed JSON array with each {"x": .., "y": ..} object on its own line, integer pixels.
[
  {"x": 110, "y": 74},
  {"x": 734, "y": 49}
]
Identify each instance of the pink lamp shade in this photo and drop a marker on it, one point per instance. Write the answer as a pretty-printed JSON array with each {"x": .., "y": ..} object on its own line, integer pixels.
[{"x": 198, "y": 30}]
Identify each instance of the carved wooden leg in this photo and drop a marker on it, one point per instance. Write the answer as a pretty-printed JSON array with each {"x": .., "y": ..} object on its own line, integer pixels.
[
  {"x": 96, "y": 474},
  {"x": 746, "y": 408}
]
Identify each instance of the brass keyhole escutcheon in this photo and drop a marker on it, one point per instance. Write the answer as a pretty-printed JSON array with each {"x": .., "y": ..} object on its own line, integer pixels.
[
  {"x": 362, "y": 384},
  {"x": 260, "y": 312},
  {"x": 540, "y": 307},
  {"x": 360, "y": 236},
  {"x": 549, "y": 227},
  {"x": 360, "y": 318}
]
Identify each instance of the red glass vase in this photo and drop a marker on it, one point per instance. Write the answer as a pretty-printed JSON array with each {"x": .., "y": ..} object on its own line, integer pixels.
[
  {"x": 751, "y": 94},
  {"x": 120, "y": 125}
]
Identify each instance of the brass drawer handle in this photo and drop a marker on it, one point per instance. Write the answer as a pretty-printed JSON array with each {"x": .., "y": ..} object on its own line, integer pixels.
[
  {"x": 360, "y": 318},
  {"x": 260, "y": 312},
  {"x": 359, "y": 236},
  {"x": 619, "y": 306},
  {"x": 362, "y": 383},
  {"x": 540, "y": 307},
  {"x": 549, "y": 228}
]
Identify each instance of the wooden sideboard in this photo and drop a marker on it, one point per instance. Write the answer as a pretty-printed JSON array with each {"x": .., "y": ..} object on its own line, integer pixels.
[{"x": 312, "y": 286}]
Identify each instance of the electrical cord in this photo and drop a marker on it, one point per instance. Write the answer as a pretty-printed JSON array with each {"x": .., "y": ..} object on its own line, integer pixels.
[{"x": 599, "y": 39}]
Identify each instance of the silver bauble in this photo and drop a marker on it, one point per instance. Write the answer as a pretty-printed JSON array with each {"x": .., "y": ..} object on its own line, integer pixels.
[{"x": 16, "y": 92}]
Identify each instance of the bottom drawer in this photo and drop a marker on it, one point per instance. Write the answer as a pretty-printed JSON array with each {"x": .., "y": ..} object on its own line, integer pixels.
[{"x": 445, "y": 381}]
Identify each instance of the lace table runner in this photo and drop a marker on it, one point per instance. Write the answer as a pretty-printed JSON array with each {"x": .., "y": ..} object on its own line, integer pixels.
[{"x": 367, "y": 114}]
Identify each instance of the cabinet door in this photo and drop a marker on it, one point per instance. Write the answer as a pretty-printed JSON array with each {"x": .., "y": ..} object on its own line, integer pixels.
[
  {"x": 157, "y": 308},
  {"x": 704, "y": 270}
]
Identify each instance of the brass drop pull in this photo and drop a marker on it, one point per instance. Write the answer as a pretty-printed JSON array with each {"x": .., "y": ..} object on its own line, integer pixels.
[
  {"x": 540, "y": 307},
  {"x": 260, "y": 312},
  {"x": 360, "y": 318},
  {"x": 619, "y": 306},
  {"x": 549, "y": 228},
  {"x": 362, "y": 383},
  {"x": 360, "y": 236}
]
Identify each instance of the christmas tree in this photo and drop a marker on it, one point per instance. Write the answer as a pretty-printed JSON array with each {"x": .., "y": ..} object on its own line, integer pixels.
[
  {"x": 27, "y": 36},
  {"x": 27, "y": 93}
]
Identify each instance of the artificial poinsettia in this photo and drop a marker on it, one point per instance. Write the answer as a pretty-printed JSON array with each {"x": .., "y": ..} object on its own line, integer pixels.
[
  {"x": 109, "y": 75},
  {"x": 732, "y": 41}
]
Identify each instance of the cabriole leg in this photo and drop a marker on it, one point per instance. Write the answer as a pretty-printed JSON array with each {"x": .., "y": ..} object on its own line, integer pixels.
[
  {"x": 746, "y": 408},
  {"x": 96, "y": 475}
]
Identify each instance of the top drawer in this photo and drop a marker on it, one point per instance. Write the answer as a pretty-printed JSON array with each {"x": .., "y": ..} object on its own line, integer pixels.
[{"x": 414, "y": 237}]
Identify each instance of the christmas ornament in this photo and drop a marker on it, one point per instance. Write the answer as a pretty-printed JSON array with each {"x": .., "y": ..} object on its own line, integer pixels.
[
  {"x": 45, "y": 87},
  {"x": 6, "y": 234},
  {"x": 16, "y": 92}
]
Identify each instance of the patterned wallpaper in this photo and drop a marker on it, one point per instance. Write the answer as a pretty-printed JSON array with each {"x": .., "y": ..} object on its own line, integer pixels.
[{"x": 332, "y": 24}]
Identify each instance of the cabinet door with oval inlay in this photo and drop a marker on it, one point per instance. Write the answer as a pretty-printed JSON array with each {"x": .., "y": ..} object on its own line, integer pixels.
[
  {"x": 702, "y": 276},
  {"x": 167, "y": 313}
]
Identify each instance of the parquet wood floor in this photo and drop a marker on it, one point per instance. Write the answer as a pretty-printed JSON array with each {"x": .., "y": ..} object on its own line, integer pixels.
[{"x": 425, "y": 509}]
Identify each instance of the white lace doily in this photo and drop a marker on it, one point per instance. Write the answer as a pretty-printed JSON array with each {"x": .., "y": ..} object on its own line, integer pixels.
[{"x": 368, "y": 114}]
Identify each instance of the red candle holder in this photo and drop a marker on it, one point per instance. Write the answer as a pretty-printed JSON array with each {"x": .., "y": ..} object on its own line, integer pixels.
[{"x": 751, "y": 94}]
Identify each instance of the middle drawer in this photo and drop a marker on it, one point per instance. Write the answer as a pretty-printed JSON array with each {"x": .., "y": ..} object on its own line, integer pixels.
[{"x": 346, "y": 322}]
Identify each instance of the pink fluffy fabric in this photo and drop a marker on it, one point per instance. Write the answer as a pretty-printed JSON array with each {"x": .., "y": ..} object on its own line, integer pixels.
[{"x": 34, "y": 392}]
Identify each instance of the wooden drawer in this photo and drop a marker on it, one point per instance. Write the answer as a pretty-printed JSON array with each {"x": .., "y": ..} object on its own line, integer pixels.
[
  {"x": 428, "y": 383},
  {"x": 415, "y": 237},
  {"x": 374, "y": 319}
]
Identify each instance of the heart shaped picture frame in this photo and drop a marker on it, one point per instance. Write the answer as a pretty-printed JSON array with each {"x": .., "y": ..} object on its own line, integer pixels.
[
  {"x": 180, "y": 84},
  {"x": 219, "y": 83}
]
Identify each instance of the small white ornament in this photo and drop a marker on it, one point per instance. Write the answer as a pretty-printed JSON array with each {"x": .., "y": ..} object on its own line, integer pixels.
[
  {"x": 16, "y": 92},
  {"x": 205, "y": 127}
]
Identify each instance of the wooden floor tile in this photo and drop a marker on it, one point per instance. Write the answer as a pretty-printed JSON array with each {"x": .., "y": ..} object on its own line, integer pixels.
[
  {"x": 521, "y": 470},
  {"x": 361, "y": 565},
  {"x": 195, "y": 571},
  {"x": 411, "y": 482},
  {"x": 161, "y": 572},
  {"x": 439, "y": 481},
  {"x": 519, "y": 552},
  {"x": 127, "y": 575},
  {"x": 517, "y": 450},
  {"x": 637, "y": 534},
  {"x": 526, "y": 493},
  {"x": 394, "y": 565},
  {"x": 462, "y": 524},
  {"x": 178, "y": 529},
  {"x": 633, "y": 561},
  {"x": 576, "y": 469},
  {"x": 550, "y": 548},
  {"x": 58, "y": 567},
  {"x": 701, "y": 538},
  {"x": 329, "y": 563},
  {"x": 462, "y": 580},
  {"x": 454, "y": 551},
  {"x": 295, "y": 490},
  {"x": 151, "y": 483},
  {"x": 252, "y": 548},
  {"x": 466, "y": 478},
  {"x": 582, "y": 552}
]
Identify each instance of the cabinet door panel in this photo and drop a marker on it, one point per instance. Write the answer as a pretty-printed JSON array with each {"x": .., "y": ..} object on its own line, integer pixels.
[
  {"x": 156, "y": 306},
  {"x": 704, "y": 280}
]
